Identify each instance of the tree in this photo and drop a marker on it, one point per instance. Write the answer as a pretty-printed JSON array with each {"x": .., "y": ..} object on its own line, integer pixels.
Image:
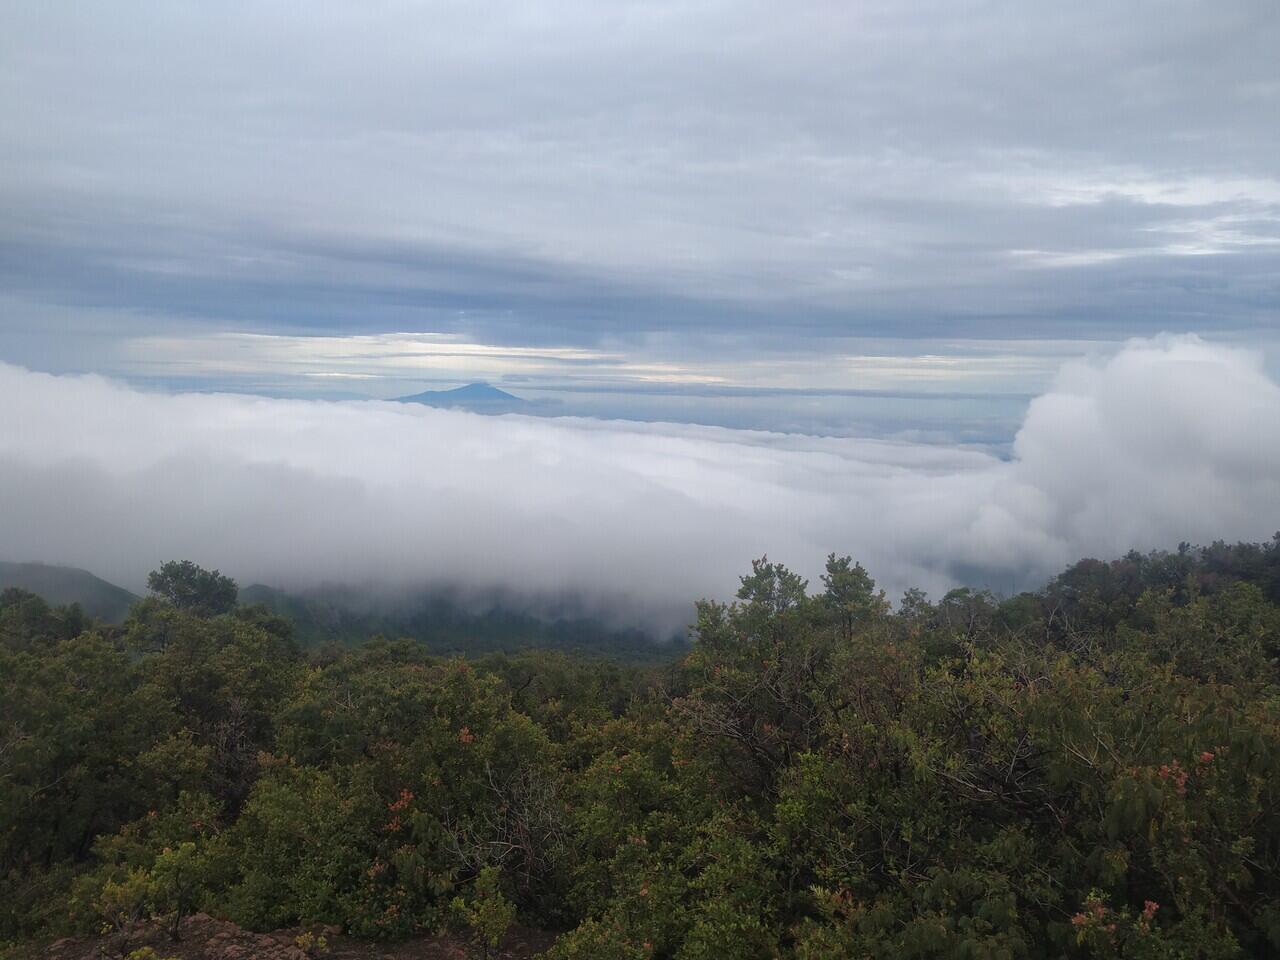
[
  {"x": 851, "y": 594},
  {"x": 1091, "y": 769},
  {"x": 488, "y": 913},
  {"x": 771, "y": 589},
  {"x": 192, "y": 588},
  {"x": 176, "y": 880}
]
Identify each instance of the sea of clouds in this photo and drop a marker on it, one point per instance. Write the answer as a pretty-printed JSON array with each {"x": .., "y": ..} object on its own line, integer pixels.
[{"x": 1166, "y": 440}]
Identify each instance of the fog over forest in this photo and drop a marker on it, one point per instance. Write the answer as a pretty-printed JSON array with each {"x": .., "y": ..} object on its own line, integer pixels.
[
  {"x": 634, "y": 519},
  {"x": 674, "y": 480}
]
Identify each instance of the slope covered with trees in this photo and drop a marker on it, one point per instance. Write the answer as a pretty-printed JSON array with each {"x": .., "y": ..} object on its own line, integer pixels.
[
  {"x": 447, "y": 624},
  {"x": 66, "y": 585},
  {"x": 1092, "y": 769}
]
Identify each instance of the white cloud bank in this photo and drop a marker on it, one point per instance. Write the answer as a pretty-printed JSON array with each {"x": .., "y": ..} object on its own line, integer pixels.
[{"x": 1169, "y": 439}]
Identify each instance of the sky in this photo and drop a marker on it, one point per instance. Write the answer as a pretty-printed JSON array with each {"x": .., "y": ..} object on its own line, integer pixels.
[
  {"x": 966, "y": 289},
  {"x": 808, "y": 206}
]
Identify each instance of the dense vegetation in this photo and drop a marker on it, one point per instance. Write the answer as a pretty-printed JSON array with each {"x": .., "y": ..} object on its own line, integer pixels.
[
  {"x": 448, "y": 624},
  {"x": 1089, "y": 770},
  {"x": 446, "y": 620}
]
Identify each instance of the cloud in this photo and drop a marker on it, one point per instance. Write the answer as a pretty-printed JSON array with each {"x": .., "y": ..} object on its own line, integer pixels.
[
  {"x": 570, "y": 173},
  {"x": 1169, "y": 439}
]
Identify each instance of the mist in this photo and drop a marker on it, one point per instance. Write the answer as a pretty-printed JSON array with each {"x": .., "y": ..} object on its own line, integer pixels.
[{"x": 1168, "y": 439}]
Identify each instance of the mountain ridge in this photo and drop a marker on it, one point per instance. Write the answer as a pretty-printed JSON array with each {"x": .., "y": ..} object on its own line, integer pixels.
[
  {"x": 61, "y": 585},
  {"x": 478, "y": 397}
]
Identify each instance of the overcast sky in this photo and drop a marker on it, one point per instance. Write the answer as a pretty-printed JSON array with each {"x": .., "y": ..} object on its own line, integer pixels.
[{"x": 323, "y": 198}]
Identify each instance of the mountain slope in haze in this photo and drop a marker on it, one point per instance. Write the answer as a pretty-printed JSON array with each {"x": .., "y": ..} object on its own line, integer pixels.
[
  {"x": 476, "y": 397},
  {"x": 348, "y": 617},
  {"x": 60, "y": 586},
  {"x": 345, "y": 616}
]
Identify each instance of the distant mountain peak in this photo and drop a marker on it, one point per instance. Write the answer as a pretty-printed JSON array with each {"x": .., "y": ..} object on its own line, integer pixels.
[
  {"x": 480, "y": 397},
  {"x": 480, "y": 389}
]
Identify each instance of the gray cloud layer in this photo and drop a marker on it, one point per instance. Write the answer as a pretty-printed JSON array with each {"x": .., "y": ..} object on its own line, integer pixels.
[
  {"x": 586, "y": 173},
  {"x": 1167, "y": 440}
]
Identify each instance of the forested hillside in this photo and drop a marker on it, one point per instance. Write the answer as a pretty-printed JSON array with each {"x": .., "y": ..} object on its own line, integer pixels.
[
  {"x": 1092, "y": 770},
  {"x": 447, "y": 624},
  {"x": 67, "y": 585}
]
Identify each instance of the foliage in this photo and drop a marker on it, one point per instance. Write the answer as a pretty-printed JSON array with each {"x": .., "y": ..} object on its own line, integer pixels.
[
  {"x": 1092, "y": 769},
  {"x": 487, "y": 913},
  {"x": 192, "y": 588},
  {"x": 312, "y": 944}
]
